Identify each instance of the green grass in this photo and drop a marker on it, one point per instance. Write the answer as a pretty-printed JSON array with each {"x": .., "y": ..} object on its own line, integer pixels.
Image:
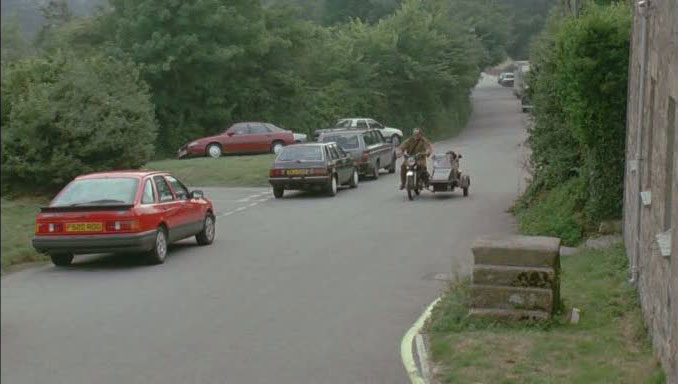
[
  {"x": 18, "y": 221},
  {"x": 608, "y": 345},
  {"x": 553, "y": 213},
  {"x": 226, "y": 171}
]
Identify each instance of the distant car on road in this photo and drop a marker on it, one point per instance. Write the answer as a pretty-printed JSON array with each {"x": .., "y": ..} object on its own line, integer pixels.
[
  {"x": 247, "y": 137},
  {"x": 124, "y": 211},
  {"x": 319, "y": 166},
  {"x": 507, "y": 79},
  {"x": 369, "y": 149},
  {"x": 392, "y": 135}
]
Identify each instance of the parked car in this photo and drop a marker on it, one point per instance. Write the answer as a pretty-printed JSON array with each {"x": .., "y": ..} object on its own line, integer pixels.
[
  {"x": 124, "y": 211},
  {"x": 520, "y": 77},
  {"x": 525, "y": 103},
  {"x": 319, "y": 166},
  {"x": 507, "y": 80},
  {"x": 369, "y": 149},
  {"x": 247, "y": 137},
  {"x": 392, "y": 135}
]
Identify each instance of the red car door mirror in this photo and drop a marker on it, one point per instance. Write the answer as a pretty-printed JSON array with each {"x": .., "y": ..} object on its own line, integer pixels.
[{"x": 196, "y": 194}]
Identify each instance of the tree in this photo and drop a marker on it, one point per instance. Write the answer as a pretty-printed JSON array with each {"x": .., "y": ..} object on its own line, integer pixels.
[
  {"x": 63, "y": 115},
  {"x": 337, "y": 11},
  {"x": 55, "y": 13},
  {"x": 14, "y": 44}
]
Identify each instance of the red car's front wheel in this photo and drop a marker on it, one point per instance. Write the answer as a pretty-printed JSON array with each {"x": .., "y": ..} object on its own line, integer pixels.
[
  {"x": 214, "y": 151},
  {"x": 206, "y": 236}
]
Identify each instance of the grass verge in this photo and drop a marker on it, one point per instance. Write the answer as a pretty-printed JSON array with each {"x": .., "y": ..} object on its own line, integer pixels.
[
  {"x": 608, "y": 345},
  {"x": 18, "y": 221},
  {"x": 226, "y": 171},
  {"x": 552, "y": 213}
]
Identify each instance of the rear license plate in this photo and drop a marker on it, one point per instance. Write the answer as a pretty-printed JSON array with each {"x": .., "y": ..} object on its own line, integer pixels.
[
  {"x": 296, "y": 172},
  {"x": 84, "y": 227}
]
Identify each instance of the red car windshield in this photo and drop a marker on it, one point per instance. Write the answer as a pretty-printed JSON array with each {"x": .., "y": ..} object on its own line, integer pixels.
[{"x": 114, "y": 190}]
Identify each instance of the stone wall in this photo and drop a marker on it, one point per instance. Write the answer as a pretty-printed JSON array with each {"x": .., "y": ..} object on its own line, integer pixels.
[{"x": 657, "y": 272}]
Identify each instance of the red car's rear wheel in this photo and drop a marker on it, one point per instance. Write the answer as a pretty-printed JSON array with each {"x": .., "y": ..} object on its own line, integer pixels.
[
  {"x": 62, "y": 259},
  {"x": 159, "y": 251}
]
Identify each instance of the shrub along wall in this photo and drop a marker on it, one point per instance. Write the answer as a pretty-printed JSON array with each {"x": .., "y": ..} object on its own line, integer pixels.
[{"x": 578, "y": 87}]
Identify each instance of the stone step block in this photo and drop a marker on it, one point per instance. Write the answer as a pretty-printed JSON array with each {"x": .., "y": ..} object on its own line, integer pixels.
[
  {"x": 525, "y": 251},
  {"x": 499, "y": 297},
  {"x": 510, "y": 276}
]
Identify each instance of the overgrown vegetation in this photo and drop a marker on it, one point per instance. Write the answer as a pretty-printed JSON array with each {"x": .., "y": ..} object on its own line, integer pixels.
[
  {"x": 206, "y": 64},
  {"x": 578, "y": 83},
  {"x": 608, "y": 345},
  {"x": 18, "y": 221},
  {"x": 64, "y": 115}
]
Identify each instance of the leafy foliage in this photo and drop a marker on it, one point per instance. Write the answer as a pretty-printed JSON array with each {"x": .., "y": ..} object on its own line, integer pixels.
[
  {"x": 63, "y": 116},
  {"x": 210, "y": 63},
  {"x": 14, "y": 44},
  {"x": 578, "y": 82},
  {"x": 528, "y": 18}
]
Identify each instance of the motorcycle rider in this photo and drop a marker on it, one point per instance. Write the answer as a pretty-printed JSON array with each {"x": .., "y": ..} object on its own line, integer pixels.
[{"x": 415, "y": 145}]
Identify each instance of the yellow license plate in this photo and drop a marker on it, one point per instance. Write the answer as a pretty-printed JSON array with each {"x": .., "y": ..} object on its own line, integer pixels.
[
  {"x": 84, "y": 227},
  {"x": 296, "y": 172}
]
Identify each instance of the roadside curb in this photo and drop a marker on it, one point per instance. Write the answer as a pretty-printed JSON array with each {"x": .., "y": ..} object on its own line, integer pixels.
[{"x": 406, "y": 353}]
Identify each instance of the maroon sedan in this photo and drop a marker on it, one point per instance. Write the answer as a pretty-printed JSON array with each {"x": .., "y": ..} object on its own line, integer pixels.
[{"x": 248, "y": 137}]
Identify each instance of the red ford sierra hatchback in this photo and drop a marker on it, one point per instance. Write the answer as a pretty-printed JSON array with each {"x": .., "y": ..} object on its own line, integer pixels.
[{"x": 122, "y": 211}]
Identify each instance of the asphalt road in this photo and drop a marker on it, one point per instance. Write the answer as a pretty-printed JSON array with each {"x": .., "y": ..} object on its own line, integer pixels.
[{"x": 308, "y": 289}]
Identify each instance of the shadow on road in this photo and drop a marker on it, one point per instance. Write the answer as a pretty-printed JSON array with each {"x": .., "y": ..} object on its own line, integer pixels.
[{"x": 124, "y": 261}]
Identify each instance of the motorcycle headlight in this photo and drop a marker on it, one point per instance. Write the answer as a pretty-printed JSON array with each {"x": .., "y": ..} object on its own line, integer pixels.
[{"x": 411, "y": 161}]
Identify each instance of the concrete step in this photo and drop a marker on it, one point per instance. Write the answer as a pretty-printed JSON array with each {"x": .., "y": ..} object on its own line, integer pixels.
[
  {"x": 497, "y": 297},
  {"x": 529, "y": 277},
  {"x": 525, "y": 251}
]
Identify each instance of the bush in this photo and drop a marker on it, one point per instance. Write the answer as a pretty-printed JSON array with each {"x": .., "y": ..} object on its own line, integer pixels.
[
  {"x": 554, "y": 213},
  {"x": 578, "y": 86},
  {"x": 63, "y": 116}
]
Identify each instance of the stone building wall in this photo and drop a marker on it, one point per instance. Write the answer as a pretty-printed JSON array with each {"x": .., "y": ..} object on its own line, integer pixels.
[{"x": 657, "y": 273}]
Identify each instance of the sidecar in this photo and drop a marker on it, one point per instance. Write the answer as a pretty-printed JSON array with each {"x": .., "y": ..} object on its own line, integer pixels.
[{"x": 445, "y": 174}]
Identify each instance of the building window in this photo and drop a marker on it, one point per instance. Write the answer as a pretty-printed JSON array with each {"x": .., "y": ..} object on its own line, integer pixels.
[
  {"x": 670, "y": 163},
  {"x": 649, "y": 138}
]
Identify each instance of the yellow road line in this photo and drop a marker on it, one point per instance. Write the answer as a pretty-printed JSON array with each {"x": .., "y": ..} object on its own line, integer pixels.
[{"x": 406, "y": 346}]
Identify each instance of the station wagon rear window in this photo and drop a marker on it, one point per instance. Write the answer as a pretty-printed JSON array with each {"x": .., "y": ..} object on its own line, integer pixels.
[
  {"x": 101, "y": 191},
  {"x": 306, "y": 153},
  {"x": 346, "y": 141}
]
